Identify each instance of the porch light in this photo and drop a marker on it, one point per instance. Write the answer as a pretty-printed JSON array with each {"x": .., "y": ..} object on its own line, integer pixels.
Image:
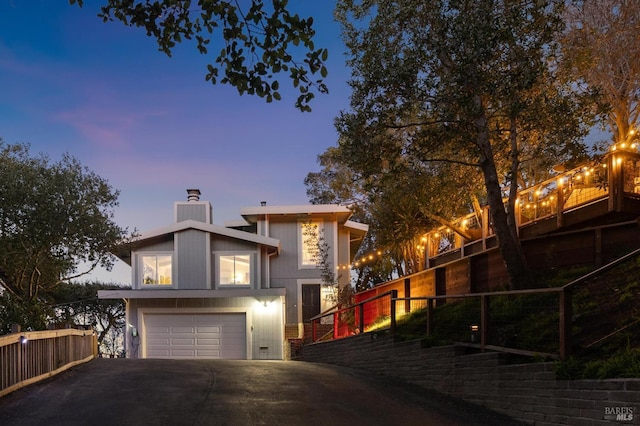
[{"x": 23, "y": 340}]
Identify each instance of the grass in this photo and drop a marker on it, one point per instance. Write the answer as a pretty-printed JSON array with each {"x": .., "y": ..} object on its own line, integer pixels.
[{"x": 606, "y": 323}]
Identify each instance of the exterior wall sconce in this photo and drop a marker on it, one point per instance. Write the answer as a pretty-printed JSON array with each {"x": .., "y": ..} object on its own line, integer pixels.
[{"x": 23, "y": 340}]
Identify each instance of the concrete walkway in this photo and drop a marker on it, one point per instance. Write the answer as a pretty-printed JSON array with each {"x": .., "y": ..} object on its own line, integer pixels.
[{"x": 234, "y": 393}]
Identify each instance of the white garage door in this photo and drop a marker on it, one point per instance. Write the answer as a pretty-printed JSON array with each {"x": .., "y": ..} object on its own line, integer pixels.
[{"x": 216, "y": 336}]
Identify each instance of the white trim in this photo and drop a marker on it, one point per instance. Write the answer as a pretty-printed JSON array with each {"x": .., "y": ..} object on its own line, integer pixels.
[
  {"x": 300, "y": 243},
  {"x": 295, "y": 209},
  {"x": 253, "y": 255},
  {"x": 356, "y": 226},
  {"x": 190, "y": 294},
  {"x": 140, "y": 270},
  {"x": 213, "y": 229},
  {"x": 168, "y": 311}
]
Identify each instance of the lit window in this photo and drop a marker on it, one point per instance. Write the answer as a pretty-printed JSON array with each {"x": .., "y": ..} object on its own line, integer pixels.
[
  {"x": 309, "y": 233},
  {"x": 235, "y": 269},
  {"x": 156, "y": 269}
]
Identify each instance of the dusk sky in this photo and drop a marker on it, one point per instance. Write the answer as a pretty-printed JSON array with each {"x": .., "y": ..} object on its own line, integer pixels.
[{"x": 151, "y": 125}]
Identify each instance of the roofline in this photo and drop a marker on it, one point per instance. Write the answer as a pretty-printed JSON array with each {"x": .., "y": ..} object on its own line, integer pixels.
[
  {"x": 356, "y": 226},
  {"x": 213, "y": 229},
  {"x": 249, "y": 213},
  {"x": 302, "y": 208}
]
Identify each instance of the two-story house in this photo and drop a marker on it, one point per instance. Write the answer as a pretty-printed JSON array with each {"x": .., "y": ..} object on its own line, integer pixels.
[{"x": 237, "y": 291}]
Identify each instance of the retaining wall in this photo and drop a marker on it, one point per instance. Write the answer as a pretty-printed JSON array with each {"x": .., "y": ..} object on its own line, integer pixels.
[{"x": 527, "y": 392}]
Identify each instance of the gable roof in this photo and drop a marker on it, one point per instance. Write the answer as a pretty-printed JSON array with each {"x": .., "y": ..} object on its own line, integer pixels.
[{"x": 204, "y": 227}]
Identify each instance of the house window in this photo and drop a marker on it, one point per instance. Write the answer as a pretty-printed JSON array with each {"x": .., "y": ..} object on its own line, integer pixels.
[
  {"x": 156, "y": 269},
  {"x": 309, "y": 243},
  {"x": 235, "y": 269}
]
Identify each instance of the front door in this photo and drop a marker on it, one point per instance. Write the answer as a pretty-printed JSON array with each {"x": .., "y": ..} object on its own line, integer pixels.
[{"x": 310, "y": 301}]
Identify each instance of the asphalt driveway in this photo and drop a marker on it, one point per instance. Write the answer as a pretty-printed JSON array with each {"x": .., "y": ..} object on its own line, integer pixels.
[{"x": 234, "y": 393}]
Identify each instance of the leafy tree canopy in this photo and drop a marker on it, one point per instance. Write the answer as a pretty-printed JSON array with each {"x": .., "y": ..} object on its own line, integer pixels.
[
  {"x": 601, "y": 54},
  {"x": 78, "y": 304},
  {"x": 259, "y": 42},
  {"x": 445, "y": 85},
  {"x": 56, "y": 222}
]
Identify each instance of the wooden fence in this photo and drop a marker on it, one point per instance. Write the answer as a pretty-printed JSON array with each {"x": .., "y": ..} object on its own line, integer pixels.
[{"x": 31, "y": 356}]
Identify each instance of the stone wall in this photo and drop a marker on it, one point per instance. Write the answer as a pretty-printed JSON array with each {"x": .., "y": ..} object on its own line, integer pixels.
[{"x": 527, "y": 392}]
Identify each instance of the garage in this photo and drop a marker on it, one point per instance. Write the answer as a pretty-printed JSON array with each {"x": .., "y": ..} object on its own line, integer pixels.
[{"x": 189, "y": 336}]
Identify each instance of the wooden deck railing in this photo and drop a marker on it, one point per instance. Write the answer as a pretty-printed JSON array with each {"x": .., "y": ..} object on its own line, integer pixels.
[
  {"x": 613, "y": 179},
  {"x": 31, "y": 356}
]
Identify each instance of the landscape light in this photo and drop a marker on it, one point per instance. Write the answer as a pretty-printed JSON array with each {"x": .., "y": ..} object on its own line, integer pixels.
[
  {"x": 474, "y": 332},
  {"x": 23, "y": 340}
]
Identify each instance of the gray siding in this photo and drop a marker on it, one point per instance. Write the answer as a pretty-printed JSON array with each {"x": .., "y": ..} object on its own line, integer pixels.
[
  {"x": 192, "y": 211},
  {"x": 220, "y": 243},
  {"x": 285, "y": 266},
  {"x": 166, "y": 244},
  {"x": 192, "y": 260}
]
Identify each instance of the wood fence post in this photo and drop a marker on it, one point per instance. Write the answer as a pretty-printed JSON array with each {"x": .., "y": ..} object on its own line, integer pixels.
[
  {"x": 565, "y": 314},
  {"x": 407, "y": 295},
  {"x": 485, "y": 308},
  {"x": 313, "y": 329},
  {"x": 392, "y": 314},
  {"x": 430, "y": 316}
]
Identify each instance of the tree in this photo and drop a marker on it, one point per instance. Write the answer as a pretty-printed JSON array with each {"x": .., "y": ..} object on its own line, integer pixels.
[
  {"x": 400, "y": 199},
  {"x": 256, "y": 43},
  {"x": 78, "y": 305},
  {"x": 56, "y": 223},
  {"x": 601, "y": 53},
  {"x": 460, "y": 82}
]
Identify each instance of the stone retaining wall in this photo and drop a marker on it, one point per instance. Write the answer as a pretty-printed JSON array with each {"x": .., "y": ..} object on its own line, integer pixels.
[{"x": 527, "y": 392}]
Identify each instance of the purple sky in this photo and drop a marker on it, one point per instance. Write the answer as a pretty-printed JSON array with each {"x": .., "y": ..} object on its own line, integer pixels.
[{"x": 150, "y": 124}]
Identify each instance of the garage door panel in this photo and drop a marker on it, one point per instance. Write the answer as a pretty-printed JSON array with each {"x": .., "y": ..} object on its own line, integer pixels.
[
  {"x": 183, "y": 329},
  {"x": 157, "y": 353},
  {"x": 183, "y": 342},
  {"x": 157, "y": 329},
  {"x": 157, "y": 341},
  {"x": 207, "y": 342},
  {"x": 208, "y": 329},
  {"x": 183, "y": 353},
  {"x": 204, "y": 353},
  {"x": 195, "y": 336}
]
